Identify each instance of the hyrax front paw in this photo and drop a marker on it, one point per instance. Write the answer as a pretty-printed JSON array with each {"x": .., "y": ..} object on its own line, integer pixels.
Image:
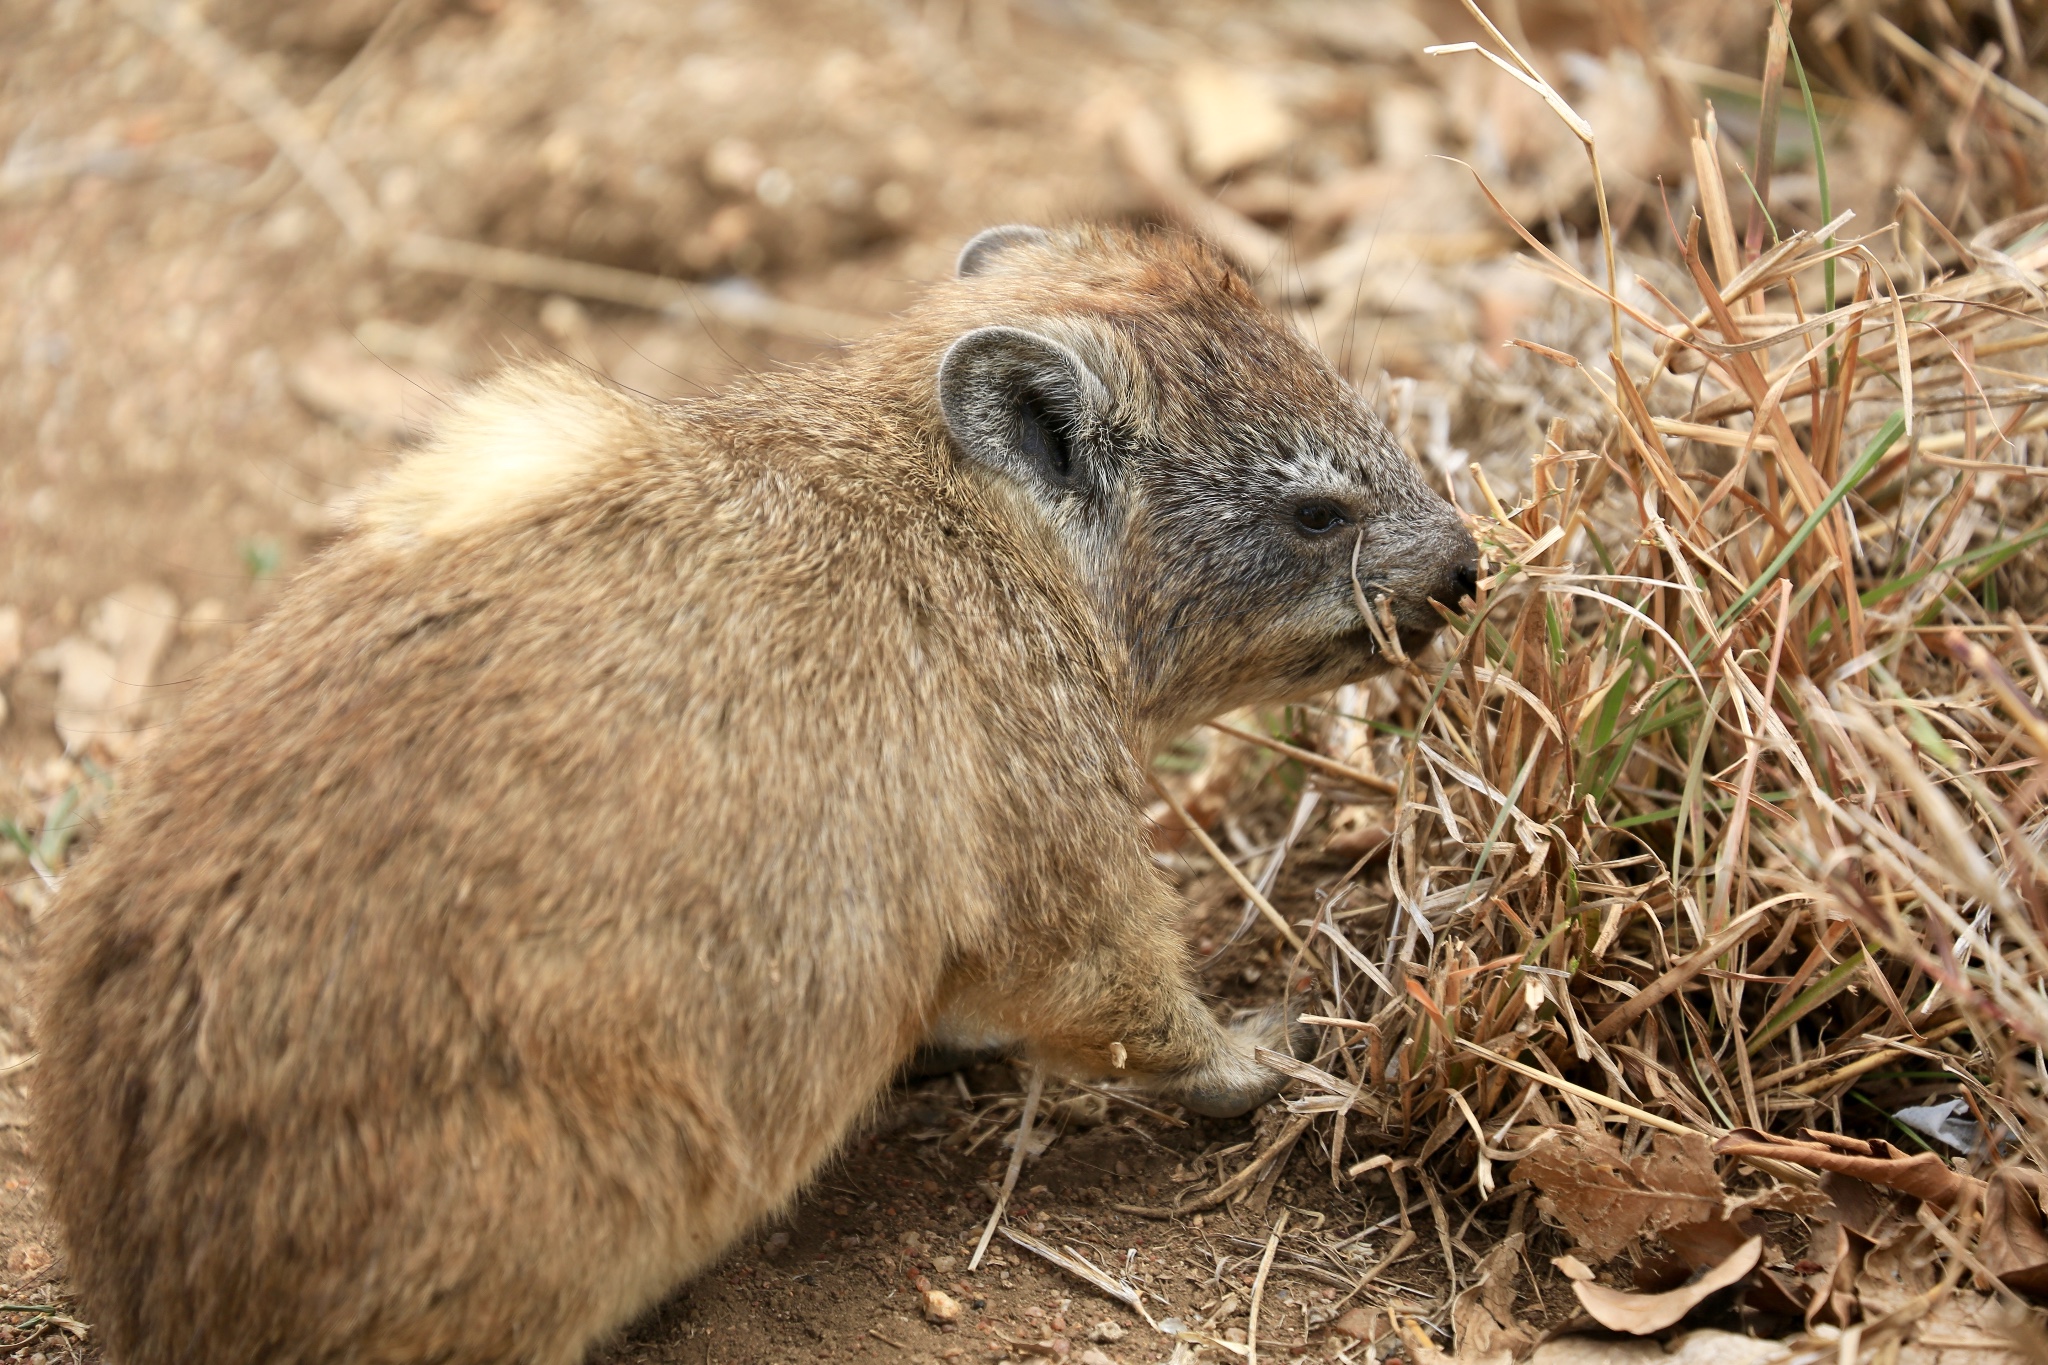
[{"x": 1234, "y": 1081}]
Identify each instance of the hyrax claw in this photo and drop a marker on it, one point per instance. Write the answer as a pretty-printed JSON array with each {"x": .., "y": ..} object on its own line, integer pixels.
[{"x": 536, "y": 899}]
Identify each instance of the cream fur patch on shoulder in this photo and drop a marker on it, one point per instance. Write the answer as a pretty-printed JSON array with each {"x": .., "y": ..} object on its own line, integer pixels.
[{"x": 515, "y": 443}]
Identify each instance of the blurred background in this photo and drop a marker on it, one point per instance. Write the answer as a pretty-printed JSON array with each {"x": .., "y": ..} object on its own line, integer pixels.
[{"x": 202, "y": 349}]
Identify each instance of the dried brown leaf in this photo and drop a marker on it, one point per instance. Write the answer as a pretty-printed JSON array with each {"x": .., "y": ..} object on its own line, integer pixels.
[
  {"x": 1642, "y": 1314},
  {"x": 1483, "y": 1315},
  {"x": 2014, "y": 1244},
  {"x": 1843, "y": 1251},
  {"x": 1784, "y": 1295},
  {"x": 1890, "y": 1276},
  {"x": 1706, "y": 1243},
  {"x": 1924, "y": 1176},
  {"x": 1965, "y": 1329},
  {"x": 1606, "y": 1202}
]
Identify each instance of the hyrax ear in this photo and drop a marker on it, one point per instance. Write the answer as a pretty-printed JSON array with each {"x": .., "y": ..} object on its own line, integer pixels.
[
  {"x": 1023, "y": 405},
  {"x": 979, "y": 255}
]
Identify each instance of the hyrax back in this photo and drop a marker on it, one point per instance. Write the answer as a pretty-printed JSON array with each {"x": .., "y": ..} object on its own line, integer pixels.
[{"x": 537, "y": 896}]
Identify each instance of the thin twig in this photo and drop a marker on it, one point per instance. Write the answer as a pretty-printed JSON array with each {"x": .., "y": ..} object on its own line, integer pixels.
[
  {"x": 1244, "y": 884},
  {"x": 1067, "y": 1259},
  {"x": 995, "y": 1216},
  {"x": 1251, "y": 1331},
  {"x": 1594, "y": 1096},
  {"x": 1356, "y": 776},
  {"x": 1280, "y": 1145}
]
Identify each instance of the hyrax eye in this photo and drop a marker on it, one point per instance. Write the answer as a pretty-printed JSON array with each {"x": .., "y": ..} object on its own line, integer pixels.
[{"x": 1319, "y": 518}]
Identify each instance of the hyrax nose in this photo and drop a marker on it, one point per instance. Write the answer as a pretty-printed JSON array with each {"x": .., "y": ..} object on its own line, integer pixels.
[{"x": 1460, "y": 583}]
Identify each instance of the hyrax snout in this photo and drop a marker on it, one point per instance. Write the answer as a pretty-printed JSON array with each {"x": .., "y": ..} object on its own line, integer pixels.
[{"x": 535, "y": 898}]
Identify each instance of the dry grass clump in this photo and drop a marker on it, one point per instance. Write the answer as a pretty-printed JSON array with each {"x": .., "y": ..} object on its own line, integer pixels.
[{"x": 1722, "y": 815}]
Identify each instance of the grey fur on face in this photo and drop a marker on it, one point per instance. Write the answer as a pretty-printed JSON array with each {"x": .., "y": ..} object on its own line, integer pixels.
[{"x": 1226, "y": 495}]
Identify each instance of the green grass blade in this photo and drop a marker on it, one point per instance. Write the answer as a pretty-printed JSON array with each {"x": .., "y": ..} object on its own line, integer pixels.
[
  {"x": 1809, "y": 1000},
  {"x": 1887, "y": 435},
  {"x": 1507, "y": 807},
  {"x": 1603, "y": 722},
  {"x": 1820, "y": 174},
  {"x": 1671, "y": 812},
  {"x": 1997, "y": 552},
  {"x": 1761, "y": 207}
]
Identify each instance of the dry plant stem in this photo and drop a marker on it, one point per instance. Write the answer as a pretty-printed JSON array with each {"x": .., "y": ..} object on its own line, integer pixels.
[
  {"x": 321, "y": 110},
  {"x": 1066, "y": 1260},
  {"x": 1706, "y": 168},
  {"x": 1310, "y": 758},
  {"x": 1251, "y": 1331},
  {"x": 2031, "y": 725},
  {"x": 1952, "y": 79},
  {"x": 1442, "y": 1218},
  {"x": 1933, "y": 220},
  {"x": 1402, "y": 1245},
  {"x": 1593, "y": 1096},
  {"x": 1735, "y": 838},
  {"x": 1749, "y": 376},
  {"x": 1222, "y": 859},
  {"x": 1767, "y": 127},
  {"x": 1865, "y": 1065},
  {"x": 1957, "y": 1248},
  {"x": 1280, "y": 1146},
  {"x": 995, "y": 1216},
  {"x": 1639, "y": 1004},
  {"x": 1531, "y": 77}
]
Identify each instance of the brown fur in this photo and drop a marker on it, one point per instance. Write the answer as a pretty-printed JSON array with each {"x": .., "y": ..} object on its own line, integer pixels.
[{"x": 538, "y": 895}]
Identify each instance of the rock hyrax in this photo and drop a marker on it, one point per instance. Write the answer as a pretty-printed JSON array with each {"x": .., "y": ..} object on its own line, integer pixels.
[{"x": 534, "y": 899}]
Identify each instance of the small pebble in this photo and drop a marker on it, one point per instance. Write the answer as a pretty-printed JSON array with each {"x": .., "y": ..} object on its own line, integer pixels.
[
  {"x": 939, "y": 1306},
  {"x": 1093, "y": 1356},
  {"x": 1108, "y": 1331}
]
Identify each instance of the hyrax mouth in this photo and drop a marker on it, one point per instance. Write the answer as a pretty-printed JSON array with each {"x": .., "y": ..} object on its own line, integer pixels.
[
  {"x": 1371, "y": 642},
  {"x": 1384, "y": 628}
]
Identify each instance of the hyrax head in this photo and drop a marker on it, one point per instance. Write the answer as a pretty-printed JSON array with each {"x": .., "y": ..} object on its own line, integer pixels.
[{"x": 1232, "y": 505}]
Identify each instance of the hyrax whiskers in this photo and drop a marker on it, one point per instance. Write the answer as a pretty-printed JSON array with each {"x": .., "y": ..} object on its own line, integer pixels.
[{"x": 534, "y": 899}]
